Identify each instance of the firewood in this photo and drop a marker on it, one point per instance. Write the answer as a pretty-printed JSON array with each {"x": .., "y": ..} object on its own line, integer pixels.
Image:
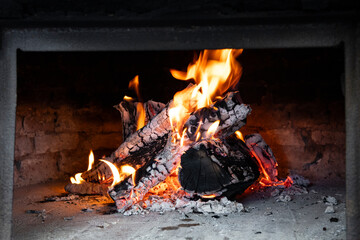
[
  {"x": 130, "y": 115},
  {"x": 155, "y": 171},
  {"x": 87, "y": 188},
  {"x": 151, "y": 137},
  {"x": 228, "y": 111},
  {"x": 215, "y": 167},
  {"x": 264, "y": 155}
]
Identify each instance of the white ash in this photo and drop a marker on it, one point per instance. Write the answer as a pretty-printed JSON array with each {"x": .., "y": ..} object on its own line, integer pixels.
[
  {"x": 186, "y": 205},
  {"x": 329, "y": 200},
  {"x": 330, "y": 209},
  {"x": 284, "y": 198},
  {"x": 299, "y": 180}
]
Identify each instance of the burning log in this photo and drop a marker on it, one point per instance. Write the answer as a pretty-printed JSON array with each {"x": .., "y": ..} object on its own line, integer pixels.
[
  {"x": 215, "y": 168},
  {"x": 227, "y": 113},
  {"x": 148, "y": 139},
  {"x": 130, "y": 114},
  {"x": 155, "y": 171}
]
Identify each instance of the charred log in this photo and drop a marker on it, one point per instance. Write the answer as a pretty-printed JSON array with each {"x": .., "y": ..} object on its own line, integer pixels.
[
  {"x": 130, "y": 115},
  {"x": 87, "y": 188},
  {"x": 155, "y": 171},
  {"x": 215, "y": 167},
  {"x": 231, "y": 114}
]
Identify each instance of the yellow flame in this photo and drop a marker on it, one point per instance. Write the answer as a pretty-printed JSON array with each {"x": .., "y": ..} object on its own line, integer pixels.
[
  {"x": 127, "y": 169},
  {"x": 212, "y": 129},
  {"x": 78, "y": 179},
  {"x": 115, "y": 172},
  {"x": 127, "y": 98},
  {"x": 214, "y": 72},
  {"x": 134, "y": 84},
  {"x": 91, "y": 160},
  {"x": 239, "y": 135},
  {"x": 208, "y": 196},
  {"x": 141, "y": 116}
]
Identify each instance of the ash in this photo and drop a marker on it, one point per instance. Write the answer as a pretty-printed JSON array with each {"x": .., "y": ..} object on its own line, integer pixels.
[{"x": 185, "y": 205}]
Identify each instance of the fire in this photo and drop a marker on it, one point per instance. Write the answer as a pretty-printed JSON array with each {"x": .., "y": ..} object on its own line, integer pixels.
[
  {"x": 209, "y": 196},
  {"x": 134, "y": 84},
  {"x": 78, "y": 179},
  {"x": 239, "y": 135},
  {"x": 214, "y": 72},
  {"x": 127, "y": 169},
  {"x": 212, "y": 129},
  {"x": 91, "y": 160},
  {"x": 127, "y": 98},
  {"x": 115, "y": 172}
]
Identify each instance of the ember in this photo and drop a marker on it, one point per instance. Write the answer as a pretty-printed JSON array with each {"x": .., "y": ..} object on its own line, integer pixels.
[{"x": 190, "y": 147}]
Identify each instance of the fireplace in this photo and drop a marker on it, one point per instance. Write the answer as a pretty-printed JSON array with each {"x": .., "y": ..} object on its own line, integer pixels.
[{"x": 324, "y": 40}]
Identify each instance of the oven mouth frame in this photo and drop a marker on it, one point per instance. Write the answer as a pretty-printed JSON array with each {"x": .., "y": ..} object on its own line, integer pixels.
[{"x": 247, "y": 36}]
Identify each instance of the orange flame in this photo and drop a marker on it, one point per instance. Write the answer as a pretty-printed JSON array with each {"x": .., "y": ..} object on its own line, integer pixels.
[
  {"x": 78, "y": 179},
  {"x": 115, "y": 172},
  {"x": 127, "y": 98},
  {"x": 209, "y": 196},
  {"x": 91, "y": 160},
  {"x": 214, "y": 72},
  {"x": 134, "y": 84},
  {"x": 239, "y": 135},
  {"x": 212, "y": 129}
]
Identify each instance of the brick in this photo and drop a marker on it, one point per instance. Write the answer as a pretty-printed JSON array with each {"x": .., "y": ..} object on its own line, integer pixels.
[
  {"x": 284, "y": 136},
  {"x": 23, "y": 145},
  {"x": 109, "y": 140},
  {"x": 56, "y": 142},
  {"x": 36, "y": 169},
  {"x": 39, "y": 121},
  {"x": 323, "y": 137}
]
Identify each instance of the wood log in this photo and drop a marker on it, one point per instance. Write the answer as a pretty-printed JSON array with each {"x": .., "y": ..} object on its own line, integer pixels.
[
  {"x": 215, "y": 167},
  {"x": 87, "y": 188},
  {"x": 130, "y": 115},
  {"x": 228, "y": 111},
  {"x": 155, "y": 171},
  {"x": 231, "y": 113},
  {"x": 264, "y": 155},
  {"x": 151, "y": 137}
]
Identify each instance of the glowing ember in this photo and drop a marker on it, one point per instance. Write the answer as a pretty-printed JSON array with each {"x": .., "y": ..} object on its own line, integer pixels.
[
  {"x": 115, "y": 172},
  {"x": 209, "y": 196}
]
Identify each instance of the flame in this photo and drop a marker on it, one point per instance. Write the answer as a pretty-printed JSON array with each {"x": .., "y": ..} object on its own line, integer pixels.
[
  {"x": 239, "y": 135},
  {"x": 115, "y": 172},
  {"x": 127, "y": 98},
  {"x": 212, "y": 129},
  {"x": 91, "y": 160},
  {"x": 214, "y": 72},
  {"x": 127, "y": 169},
  {"x": 209, "y": 196},
  {"x": 134, "y": 84},
  {"x": 78, "y": 179}
]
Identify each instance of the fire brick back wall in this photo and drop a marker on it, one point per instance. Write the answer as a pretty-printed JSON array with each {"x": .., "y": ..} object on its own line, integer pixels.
[{"x": 65, "y": 106}]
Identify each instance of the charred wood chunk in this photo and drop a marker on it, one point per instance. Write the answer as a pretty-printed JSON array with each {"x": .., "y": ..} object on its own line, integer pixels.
[
  {"x": 263, "y": 153},
  {"x": 130, "y": 115},
  {"x": 136, "y": 160},
  {"x": 231, "y": 114},
  {"x": 152, "y": 173},
  {"x": 214, "y": 167},
  {"x": 87, "y": 188}
]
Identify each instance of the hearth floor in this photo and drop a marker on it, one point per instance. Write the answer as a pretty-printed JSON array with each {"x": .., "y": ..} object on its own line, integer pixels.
[{"x": 87, "y": 218}]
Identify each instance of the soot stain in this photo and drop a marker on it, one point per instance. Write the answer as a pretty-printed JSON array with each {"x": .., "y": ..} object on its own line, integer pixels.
[{"x": 183, "y": 225}]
